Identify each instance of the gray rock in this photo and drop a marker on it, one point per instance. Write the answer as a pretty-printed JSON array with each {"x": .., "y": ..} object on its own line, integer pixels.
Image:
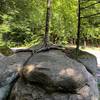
[
  {"x": 51, "y": 75},
  {"x": 7, "y": 85},
  {"x": 86, "y": 58},
  {"x": 9, "y": 67},
  {"x": 89, "y": 61},
  {"x": 1, "y": 56},
  {"x": 12, "y": 63}
]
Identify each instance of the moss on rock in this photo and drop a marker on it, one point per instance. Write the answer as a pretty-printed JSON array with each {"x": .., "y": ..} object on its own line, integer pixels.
[{"x": 5, "y": 50}]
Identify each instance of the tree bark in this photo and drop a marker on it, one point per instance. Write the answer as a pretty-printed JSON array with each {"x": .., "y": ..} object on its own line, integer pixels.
[
  {"x": 78, "y": 31},
  {"x": 46, "y": 37}
]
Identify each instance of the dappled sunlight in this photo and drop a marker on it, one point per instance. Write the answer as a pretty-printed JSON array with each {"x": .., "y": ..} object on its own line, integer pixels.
[
  {"x": 29, "y": 68},
  {"x": 68, "y": 71},
  {"x": 72, "y": 73},
  {"x": 85, "y": 91},
  {"x": 19, "y": 69},
  {"x": 40, "y": 65}
]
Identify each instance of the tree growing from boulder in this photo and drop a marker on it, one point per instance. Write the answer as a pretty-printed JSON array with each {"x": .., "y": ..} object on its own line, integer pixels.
[{"x": 46, "y": 35}]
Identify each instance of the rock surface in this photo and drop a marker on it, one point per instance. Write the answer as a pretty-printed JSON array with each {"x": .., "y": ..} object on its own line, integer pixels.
[
  {"x": 51, "y": 75},
  {"x": 9, "y": 66},
  {"x": 12, "y": 63},
  {"x": 89, "y": 61}
]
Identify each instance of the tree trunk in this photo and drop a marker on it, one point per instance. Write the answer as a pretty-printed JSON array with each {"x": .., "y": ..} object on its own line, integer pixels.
[
  {"x": 85, "y": 43},
  {"x": 46, "y": 37},
  {"x": 78, "y": 30}
]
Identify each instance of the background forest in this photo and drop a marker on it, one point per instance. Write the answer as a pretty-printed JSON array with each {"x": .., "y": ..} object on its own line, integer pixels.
[{"x": 22, "y": 22}]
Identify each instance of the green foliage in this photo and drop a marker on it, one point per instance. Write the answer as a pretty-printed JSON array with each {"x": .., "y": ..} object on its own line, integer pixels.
[
  {"x": 64, "y": 19},
  {"x": 22, "y": 22},
  {"x": 91, "y": 24}
]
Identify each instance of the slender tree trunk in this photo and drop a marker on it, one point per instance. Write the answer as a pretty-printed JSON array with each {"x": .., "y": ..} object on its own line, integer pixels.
[
  {"x": 46, "y": 35},
  {"x": 85, "y": 44},
  {"x": 78, "y": 30}
]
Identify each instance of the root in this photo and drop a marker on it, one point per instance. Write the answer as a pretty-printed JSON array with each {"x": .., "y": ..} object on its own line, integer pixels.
[
  {"x": 23, "y": 50},
  {"x": 52, "y": 47}
]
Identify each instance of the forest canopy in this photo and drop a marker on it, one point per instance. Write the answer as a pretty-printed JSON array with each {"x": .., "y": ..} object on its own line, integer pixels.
[{"x": 22, "y": 22}]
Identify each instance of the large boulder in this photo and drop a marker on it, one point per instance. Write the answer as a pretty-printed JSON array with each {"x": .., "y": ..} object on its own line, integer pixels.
[{"x": 51, "y": 75}]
